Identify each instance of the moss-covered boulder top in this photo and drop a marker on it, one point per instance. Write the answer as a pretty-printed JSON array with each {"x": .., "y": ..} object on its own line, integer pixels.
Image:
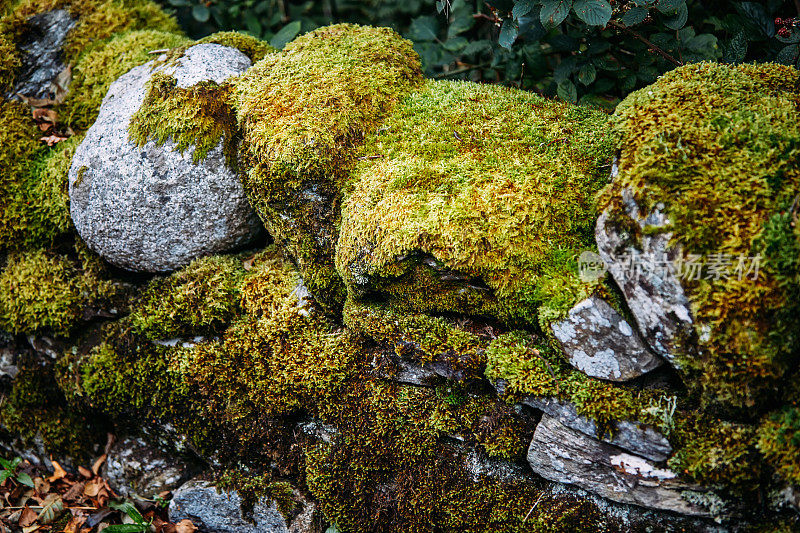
[{"x": 394, "y": 353}]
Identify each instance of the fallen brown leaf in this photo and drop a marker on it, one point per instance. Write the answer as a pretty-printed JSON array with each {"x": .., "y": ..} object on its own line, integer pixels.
[
  {"x": 75, "y": 491},
  {"x": 45, "y": 115},
  {"x": 98, "y": 464},
  {"x": 41, "y": 486},
  {"x": 185, "y": 526},
  {"x": 31, "y": 529},
  {"x": 27, "y": 517},
  {"x": 93, "y": 487},
  {"x": 58, "y": 472},
  {"x": 52, "y": 140},
  {"x": 85, "y": 472}
]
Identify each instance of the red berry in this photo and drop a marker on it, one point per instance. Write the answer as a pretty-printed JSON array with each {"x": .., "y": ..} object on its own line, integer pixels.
[
  {"x": 783, "y": 32},
  {"x": 778, "y": 22}
]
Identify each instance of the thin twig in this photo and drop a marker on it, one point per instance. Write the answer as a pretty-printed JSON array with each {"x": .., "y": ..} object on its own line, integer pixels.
[
  {"x": 460, "y": 71},
  {"x": 649, "y": 44},
  {"x": 541, "y": 495}
]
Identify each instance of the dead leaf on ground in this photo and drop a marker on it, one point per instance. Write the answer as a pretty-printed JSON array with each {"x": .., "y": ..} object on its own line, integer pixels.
[
  {"x": 75, "y": 491},
  {"x": 98, "y": 464},
  {"x": 185, "y": 526},
  {"x": 27, "y": 517},
  {"x": 93, "y": 487},
  {"x": 41, "y": 486},
  {"x": 85, "y": 472},
  {"x": 58, "y": 472},
  {"x": 52, "y": 507},
  {"x": 52, "y": 140}
]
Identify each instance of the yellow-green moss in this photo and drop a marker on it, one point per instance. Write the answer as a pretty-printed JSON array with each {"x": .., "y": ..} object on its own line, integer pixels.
[
  {"x": 389, "y": 469},
  {"x": 102, "y": 63},
  {"x": 302, "y": 111},
  {"x": 38, "y": 212},
  {"x": 779, "y": 442},
  {"x": 532, "y": 367},
  {"x": 716, "y": 452},
  {"x": 19, "y": 145},
  {"x": 199, "y": 116},
  {"x": 9, "y": 63},
  {"x": 430, "y": 338},
  {"x": 44, "y": 292},
  {"x": 496, "y": 185},
  {"x": 35, "y": 409},
  {"x": 199, "y": 299},
  {"x": 718, "y": 146}
]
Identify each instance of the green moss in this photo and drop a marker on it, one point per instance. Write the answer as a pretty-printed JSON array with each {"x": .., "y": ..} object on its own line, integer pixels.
[
  {"x": 302, "y": 111},
  {"x": 431, "y": 338},
  {"x": 532, "y": 367},
  {"x": 779, "y": 442},
  {"x": 390, "y": 470},
  {"x": 35, "y": 409},
  {"x": 252, "y": 488},
  {"x": 716, "y": 452},
  {"x": 41, "y": 292},
  {"x": 718, "y": 146},
  {"x": 199, "y": 299},
  {"x": 9, "y": 63},
  {"x": 451, "y": 207},
  {"x": 200, "y": 116},
  {"x": 37, "y": 213},
  {"x": 105, "y": 61},
  {"x": 19, "y": 145}
]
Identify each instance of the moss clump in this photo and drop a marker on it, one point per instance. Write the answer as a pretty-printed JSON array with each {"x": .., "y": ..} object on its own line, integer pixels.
[
  {"x": 105, "y": 61},
  {"x": 40, "y": 291},
  {"x": 9, "y": 63},
  {"x": 252, "y": 47},
  {"x": 390, "y": 470},
  {"x": 779, "y": 442},
  {"x": 199, "y": 299},
  {"x": 200, "y": 116},
  {"x": 716, "y": 452},
  {"x": 422, "y": 338},
  {"x": 532, "y": 367},
  {"x": 451, "y": 208},
  {"x": 38, "y": 204},
  {"x": 303, "y": 111},
  {"x": 36, "y": 409},
  {"x": 19, "y": 145},
  {"x": 718, "y": 147}
]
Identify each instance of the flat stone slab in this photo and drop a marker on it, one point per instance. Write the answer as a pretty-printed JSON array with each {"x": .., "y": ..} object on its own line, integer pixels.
[
  {"x": 561, "y": 454},
  {"x": 599, "y": 342}
]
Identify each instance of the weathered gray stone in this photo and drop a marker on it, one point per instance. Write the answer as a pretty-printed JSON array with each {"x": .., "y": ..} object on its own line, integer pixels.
[
  {"x": 135, "y": 468},
  {"x": 633, "y": 436},
  {"x": 643, "y": 271},
  {"x": 41, "y": 53},
  {"x": 600, "y": 343},
  {"x": 152, "y": 208},
  {"x": 563, "y": 455},
  {"x": 221, "y": 512}
]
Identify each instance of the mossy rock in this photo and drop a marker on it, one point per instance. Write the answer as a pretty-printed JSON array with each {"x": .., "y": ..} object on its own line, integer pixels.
[
  {"x": 303, "y": 111},
  {"x": 44, "y": 292},
  {"x": 712, "y": 152},
  {"x": 105, "y": 61},
  {"x": 475, "y": 200}
]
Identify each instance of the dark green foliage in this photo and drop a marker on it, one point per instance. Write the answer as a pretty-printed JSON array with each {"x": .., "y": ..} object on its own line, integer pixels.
[{"x": 591, "y": 51}]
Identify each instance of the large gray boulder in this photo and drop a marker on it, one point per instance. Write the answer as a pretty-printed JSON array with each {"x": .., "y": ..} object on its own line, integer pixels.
[
  {"x": 599, "y": 342},
  {"x": 152, "y": 208}
]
